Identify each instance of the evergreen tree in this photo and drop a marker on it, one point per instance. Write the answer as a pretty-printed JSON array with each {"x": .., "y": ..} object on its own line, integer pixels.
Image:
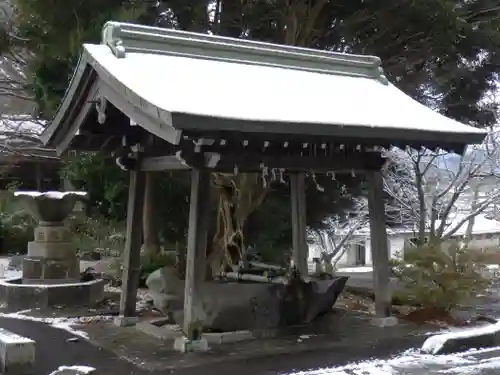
[{"x": 444, "y": 53}]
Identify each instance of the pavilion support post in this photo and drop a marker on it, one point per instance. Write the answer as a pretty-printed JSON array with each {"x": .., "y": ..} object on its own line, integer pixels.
[
  {"x": 195, "y": 263},
  {"x": 380, "y": 251},
  {"x": 38, "y": 177},
  {"x": 133, "y": 244},
  {"x": 299, "y": 232}
]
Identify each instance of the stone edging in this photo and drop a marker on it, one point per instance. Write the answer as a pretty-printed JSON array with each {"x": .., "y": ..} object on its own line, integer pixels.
[{"x": 17, "y": 295}]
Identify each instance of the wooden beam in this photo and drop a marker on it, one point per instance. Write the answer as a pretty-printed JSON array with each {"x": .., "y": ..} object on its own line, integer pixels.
[
  {"x": 83, "y": 113},
  {"x": 133, "y": 244},
  {"x": 379, "y": 245},
  {"x": 253, "y": 162},
  {"x": 298, "y": 163},
  {"x": 163, "y": 163},
  {"x": 196, "y": 252},
  {"x": 298, "y": 203}
]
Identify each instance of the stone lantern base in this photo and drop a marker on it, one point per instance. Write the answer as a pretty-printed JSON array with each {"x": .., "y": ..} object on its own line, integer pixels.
[{"x": 51, "y": 257}]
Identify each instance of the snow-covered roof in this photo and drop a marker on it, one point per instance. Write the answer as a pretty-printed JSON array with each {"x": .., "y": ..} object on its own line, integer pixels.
[
  {"x": 482, "y": 225},
  {"x": 20, "y": 126},
  {"x": 159, "y": 78},
  {"x": 450, "y": 165},
  {"x": 20, "y": 136}
]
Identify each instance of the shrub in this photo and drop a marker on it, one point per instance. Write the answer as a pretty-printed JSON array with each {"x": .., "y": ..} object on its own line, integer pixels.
[
  {"x": 16, "y": 225},
  {"x": 438, "y": 277},
  {"x": 149, "y": 264},
  {"x": 91, "y": 235}
]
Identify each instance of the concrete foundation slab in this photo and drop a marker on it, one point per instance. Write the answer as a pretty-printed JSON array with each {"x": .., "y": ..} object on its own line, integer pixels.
[
  {"x": 172, "y": 332},
  {"x": 389, "y": 321},
  {"x": 228, "y": 337},
  {"x": 161, "y": 332},
  {"x": 125, "y": 321},
  {"x": 183, "y": 345}
]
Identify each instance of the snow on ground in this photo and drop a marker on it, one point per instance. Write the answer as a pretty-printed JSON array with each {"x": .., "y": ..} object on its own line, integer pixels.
[
  {"x": 76, "y": 370},
  {"x": 413, "y": 362},
  {"x": 361, "y": 269},
  {"x": 67, "y": 324},
  {"x": 6, "y": 273}
]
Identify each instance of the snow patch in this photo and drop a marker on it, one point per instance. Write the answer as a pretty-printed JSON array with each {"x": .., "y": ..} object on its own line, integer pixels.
[
  {"x": 73, "y": 370},
  {"x": 6, "y": 273},
  {"x": 434, "y": 343},
  {"x": 355, "y": 269},
  {"x": 50, "y": 194},
  {"x": 67, "y": 324},
  {"x": 411, "y": 361},
  {"x": 20, "y": 125}
]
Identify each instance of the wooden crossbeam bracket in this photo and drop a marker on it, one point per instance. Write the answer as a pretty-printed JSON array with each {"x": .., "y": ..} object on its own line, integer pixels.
[{"x": 252, "y": 162}]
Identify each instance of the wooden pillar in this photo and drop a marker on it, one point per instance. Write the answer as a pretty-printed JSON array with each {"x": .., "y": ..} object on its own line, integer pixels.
[
  {"x": 133, "y": 244},
  {"x": 150, "y": 215},
  {"x": 379, "y": 248},
  {"x": 38, "y": 176},
  {"x": 196, "y": 251},
  {"x": 299, "y": 232}
]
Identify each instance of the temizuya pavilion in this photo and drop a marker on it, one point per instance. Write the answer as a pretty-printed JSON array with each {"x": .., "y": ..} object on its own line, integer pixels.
[{"x": 175, "y": 100}]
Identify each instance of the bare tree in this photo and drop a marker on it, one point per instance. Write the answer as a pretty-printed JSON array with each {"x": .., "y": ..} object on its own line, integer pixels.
[
  {"x": 341, "y": 233},
  {"x": 15, "y": 88},
  {"x": 440, "y": 192}
]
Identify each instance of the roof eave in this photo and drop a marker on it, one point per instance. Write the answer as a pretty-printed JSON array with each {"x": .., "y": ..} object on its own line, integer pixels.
[
  {"x": 449, "y": 140},
  {"x": 60, "y": 126}
]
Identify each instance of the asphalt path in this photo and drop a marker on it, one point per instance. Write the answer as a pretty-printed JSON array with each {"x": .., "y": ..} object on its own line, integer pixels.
[
  {"x": 53, "y": 349},
  {"x": 304, "y": 361}
]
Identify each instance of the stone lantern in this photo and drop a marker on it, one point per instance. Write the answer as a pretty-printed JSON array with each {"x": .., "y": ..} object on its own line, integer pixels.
[{"x": 51, "y": 257}]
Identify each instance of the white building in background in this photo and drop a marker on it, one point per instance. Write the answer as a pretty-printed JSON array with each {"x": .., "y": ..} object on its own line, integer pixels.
[{"x": 485, "y": 235}]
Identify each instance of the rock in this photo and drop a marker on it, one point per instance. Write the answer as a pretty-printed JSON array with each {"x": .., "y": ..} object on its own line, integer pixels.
[
  {"x": 16, "y": 262},
  {"x": 91, "y": 255},
  {"x": 259, "y": 306},
  {"x": 106, "y": 266},
  {"x": 166, "y": 290},
  {"x": 165, "y": 280},
  {"x": 233, "y": 306},
  {"x": 238, "y": 306},
  {"x": 324, "y": 295},
  {"x": 166, "y": 303},
  {"x": 487, "y": 336}
]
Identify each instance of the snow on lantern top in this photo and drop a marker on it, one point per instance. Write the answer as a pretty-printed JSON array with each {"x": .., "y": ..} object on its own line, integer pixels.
[{"x": 50, "y": 206}]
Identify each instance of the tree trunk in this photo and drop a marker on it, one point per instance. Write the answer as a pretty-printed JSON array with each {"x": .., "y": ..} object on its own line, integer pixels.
[
  {"x": 470, "y": 224},
  {"x": 242, "y": 194},
  {"x": 238, "y": 197},
  {"x": 421, "y": 204},
  {"x": 149, "y": 219}
]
